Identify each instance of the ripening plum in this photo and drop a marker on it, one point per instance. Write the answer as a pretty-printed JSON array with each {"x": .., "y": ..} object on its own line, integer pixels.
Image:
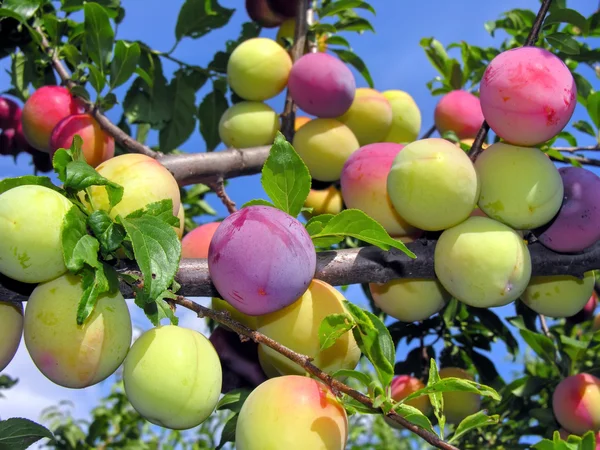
[
  {"x": 402, "y": 386},
  {"x": 195, "y": 244},
  {"x": 261, "y": 259},
  {"x": 299, "y": 121},
  {"x": 459, "y": 405},
  {"x": 364, "y": 186},
  {"x": 286, "y": 8},
  {"x": 248, "y": 124},
  {"x": 322, "y": 85},
  {"x": 97, "y": 147},
  {"x": 528, "y": 95},
  {"x": 459, "y": 111},
  {"x": 482, "y": 262},
  {"x": 534, "y": 194},
  {"x": 67, "y": 354},
  {"x": 577, "y": 224},
  {"x": 297, "y": 327},
  {"x": 369, "y": 116},
  {"x": 293, "y": 413},
  {"x": 559, "y": 295},
  {"x": 143, "y": 179},
  {"x": 324, "y": 145},
  {"x": 587, "y": 313},
  {"x": 433, "y": 184},
  {"x": 410, "y": 299},
  {"x": 11, "y": 330},
  {"x": 31, "y": 244},
  {"x": 258, "y": 69},
  {"x": 265, "y": 364},
  {"x": 576, "y": 403},
  {"x": 218, "y": 304},
  {"x": 323, "y": 201},
  {"x": 10, "y": 113},
  {"x": 181, "y": 216},
  {"x": 406, "y": 117},
  {"x": 173, "y": 377},
  {"x": 261, "y": 13},
  {"x": 42, "y": 111}
]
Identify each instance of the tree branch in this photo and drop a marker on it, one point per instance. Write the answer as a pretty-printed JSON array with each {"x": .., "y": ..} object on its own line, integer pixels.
[
  {"x": 579, "y": 159},
  {"x": 591, "y": 148},
  {"x": 351, "y": 266},
  {"x": 122, "y": 138},
  {"x": 218, "y": 186},
  {"x": 428, "y": 133},
  {"x": 532, "y": 38},
  {"x": 305, "y": 362}
]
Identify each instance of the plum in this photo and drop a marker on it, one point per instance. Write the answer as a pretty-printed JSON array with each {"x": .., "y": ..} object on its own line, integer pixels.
[
  {"x": 528, "y": 95},
  {"x": 322, "y": 85},
  {"x": 173, "y": 377},
  {"x": 286, "y": 8},
  {"x": 404, "y": 385},
  {"x": 11, "y": 331},
  {"x": 43, "y": 110},
  {"x": 369, "y": 116},
  {"x": 218, "y": 304},
  {"x": 258, "y": 69},
  {"x": 68, "y": 354},
  {"x": 482, "y": 262},
  {"x": 433, "y": 184},
  {"x": 535, "y": 191},
  {"x": 364, "y": 186},
  {"x": 261, "y": 259},
  {"x": 576, "y": 403},
  {"x": 323, "y": 201},
  {"x": 248, "y": 124},
  {"x": 577, "y": 224},
  {"x": 31, "y": 244},
  {"x": 406, "y": 117},
  {"x": 195, "y": 244},
  {"x": 587, "y": 313},
  {"x": 293, "y": 413},
  {"x": 459, "y": 111},
  {"x": 10, "y": 113},
  {"x": 261, "y": 13},
  {"x": 458, "y": 405}
]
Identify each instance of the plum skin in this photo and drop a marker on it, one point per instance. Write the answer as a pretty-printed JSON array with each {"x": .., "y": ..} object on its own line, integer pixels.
[
  {"x": 459, "y": 405},
  {"x": 576, "y": 403},
  {"x": 11, "y": 330},
  {"x": 261, "y": 259},
  {"x": 31, "y": 243},
  {"x": 173, "y": 377},
  {"x": 459, "y": 111},
  {"x": 70, "y": 355},
  {"x": 402, "y": 386}
]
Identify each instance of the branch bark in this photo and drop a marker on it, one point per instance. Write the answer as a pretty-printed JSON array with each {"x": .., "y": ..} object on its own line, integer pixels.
[
  {"x": 305, "y": 362},
  {"x": 351, "y": 266},
  {"x": 590, "y": 148}
]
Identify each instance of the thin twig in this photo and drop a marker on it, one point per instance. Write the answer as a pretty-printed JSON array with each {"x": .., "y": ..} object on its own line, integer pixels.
[
  {"x": 429, "y": 132},
  {"x": 590, "y": 148},
  {"x": 579, "y": 159},
  {"x": 122, "y": 138},
  {"x": 288, "y": 116},
  {"x": 218, "y": 186},
  {"x": 305, "y": 362},
  {"x": 532, "y": 38},
  {"x": 544, "y": 325}
]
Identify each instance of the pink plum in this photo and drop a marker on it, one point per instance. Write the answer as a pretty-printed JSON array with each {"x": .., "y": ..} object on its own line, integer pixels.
[
  {"x": 576, "y": 403},
  {"x": 43, "y": 110},
  {"x": 10, "y": 113},
  {"x": 364, "y": 186},
  {"x": 577, "y": 224},
  {"x": 195, "y": 244},
  {"x": 528, "y": 95},
  {"x": 322, "y": 85},
  {"x": 459, "y": 111},
  {"x": 404, "y": 385},
  {"x": 261, "y": 260}
]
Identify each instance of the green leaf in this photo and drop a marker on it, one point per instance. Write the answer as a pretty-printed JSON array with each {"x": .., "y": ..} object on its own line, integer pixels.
[
  {"x": 452, "y": 384},
  {"x": 157, "y": 252},
  {"x": 436, "y": 398},
  {"x": 212, "y": 107},
  {"x": 182, "y": 121},
  {"x": 333, "y": 327},
  {"x": 354, "y": 24},
  {"x": 228, "y": 432},
  {"x": 285, "y": 177},
  {"x": 258, "y": 201},
  {"x": 99, "y": 35},
  {"x": 359, "y": 376},
  {"x": 96, "y": 78},
  {"x": 436, "y": 53},
  {"x": 593, "y": 108},
  {"x": 414, "y": 416},
  {"x": 477, "y": 420},
  {"x": 316, "y": 225},
  {"x": 79, "y": 248},
  {"x": 233, "y": 400},
  {"x": 584, "y": 127},
  {"x": 564, "y": 43},
  {"x": 355, "y": 61},
  {"x": 109, "y": 234},
  {"x": 356, "y": 224},
  {"x": 163, "y": 209},
  {"x": 80, "y": 176},
  {"x": 542, "y": 345},
  {"x": 20, "y": 434},
  {"x": 157, "y": 310},
  {"x": 24, "y": 8},
  {"x": 20, "y": 72},
  {"x": 9, "y": 183},
  {"x": 338, "y": 40},
  {"x": 584, "y": 88},
  {"x": 374, "y": 340},
  {"x": 335, "y": 7},
  {"x": 95, "y": 282},
  {"x": 567, "y": 16},
  {"x": 124, "y": 62},
  {"x": 200, "y": 17}
]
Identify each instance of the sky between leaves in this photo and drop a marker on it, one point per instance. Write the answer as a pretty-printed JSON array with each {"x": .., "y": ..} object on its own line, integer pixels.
[{"x": 396, "y": 61}]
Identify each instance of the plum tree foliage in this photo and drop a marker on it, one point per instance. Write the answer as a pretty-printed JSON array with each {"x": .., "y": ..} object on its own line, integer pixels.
[{"x": 291, "y": 362}]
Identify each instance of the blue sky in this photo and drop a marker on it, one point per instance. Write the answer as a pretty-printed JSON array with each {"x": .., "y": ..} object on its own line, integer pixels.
[{"x": 396, "y": 61}]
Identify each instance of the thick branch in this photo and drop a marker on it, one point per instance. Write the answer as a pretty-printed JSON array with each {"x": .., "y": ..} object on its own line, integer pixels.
[
  {"x": 353, "y": 266},
  {"x": 305, "y": 362},
  {"x": 532, "y": 38}
]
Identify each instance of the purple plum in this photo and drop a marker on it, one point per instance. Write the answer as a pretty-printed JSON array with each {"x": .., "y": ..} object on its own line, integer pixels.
[
  {"x": 577, "y": 224},
  {"x": 261, "y": 260}
]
